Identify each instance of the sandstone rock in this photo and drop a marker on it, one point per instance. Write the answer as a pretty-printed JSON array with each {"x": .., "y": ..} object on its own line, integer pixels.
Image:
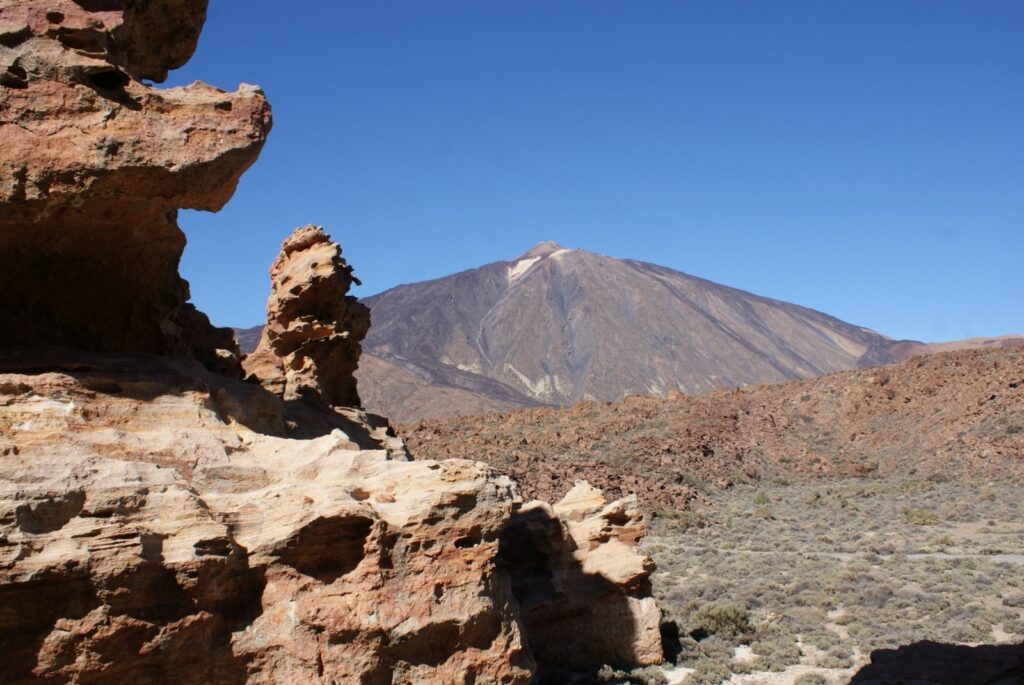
[
  {"x": 152, "y": 529},
  {"x": 153, "y": 519},
  {"x": 583, "y": 588},
  {"x": 309, "y": 348},
  {"x": 163, "y": 521},
  {"x": 94, "y": 167}
]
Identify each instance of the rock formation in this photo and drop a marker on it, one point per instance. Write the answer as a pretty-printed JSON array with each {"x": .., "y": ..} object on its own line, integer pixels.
[
  {"x": 148, "y": 526},
  {"x": 94, "y": 166},
  {"x": 309, "y": 348},
  {"x": 584, "y": 590},
  {"x": 163, "y": 521}
]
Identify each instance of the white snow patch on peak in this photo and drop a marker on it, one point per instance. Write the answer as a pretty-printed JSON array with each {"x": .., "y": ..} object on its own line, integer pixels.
[
  {"x": 558, "y": 254},
  {"x": 521, "y": 267}
]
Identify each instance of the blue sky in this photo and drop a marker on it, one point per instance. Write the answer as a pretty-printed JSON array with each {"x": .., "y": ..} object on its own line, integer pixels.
[{"x": 862, "y": 158}]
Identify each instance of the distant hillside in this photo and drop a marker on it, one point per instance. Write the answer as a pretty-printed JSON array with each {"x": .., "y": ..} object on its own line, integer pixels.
[{"x": 946, "y": 415}]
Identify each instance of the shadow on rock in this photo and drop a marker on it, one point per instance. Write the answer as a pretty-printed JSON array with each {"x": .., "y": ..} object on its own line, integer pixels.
[{"x": 583, "y": 594}]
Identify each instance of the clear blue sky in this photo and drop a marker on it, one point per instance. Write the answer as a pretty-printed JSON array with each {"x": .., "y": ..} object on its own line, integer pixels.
[{"x": 864, "y": 158}]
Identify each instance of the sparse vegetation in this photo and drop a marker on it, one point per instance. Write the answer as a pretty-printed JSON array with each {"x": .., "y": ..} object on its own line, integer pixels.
[{"x": 839, "y": 570}]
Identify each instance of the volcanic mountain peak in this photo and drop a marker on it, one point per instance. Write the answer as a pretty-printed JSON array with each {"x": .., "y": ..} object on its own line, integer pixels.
[
  {"x": 535, "y": 255},
  {"x": 558, "y": 325},
  {"x": 542, "y": 249}
]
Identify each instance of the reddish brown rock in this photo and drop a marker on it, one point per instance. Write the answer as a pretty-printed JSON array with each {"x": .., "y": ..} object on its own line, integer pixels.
[
  {"x": 952, "y": 413},
  {"x": 95, "y": 165},
  {"x": 309, "y": 349}
]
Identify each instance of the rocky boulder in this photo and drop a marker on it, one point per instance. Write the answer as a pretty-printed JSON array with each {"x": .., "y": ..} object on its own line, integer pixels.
[
  {"x": 583, "y": 588},
  {"x": 163, "y": 521}
]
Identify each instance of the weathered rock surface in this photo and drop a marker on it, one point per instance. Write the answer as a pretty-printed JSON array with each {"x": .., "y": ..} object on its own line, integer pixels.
[
  {"x": 94, "y": 166},
  {"x": 155, "y": 524},
  {"x": 583, "y": 588},
  {"x": 309, "y": 348},
  {"x": 152, "y": 527},
  {"x": 162, "y": 520}
]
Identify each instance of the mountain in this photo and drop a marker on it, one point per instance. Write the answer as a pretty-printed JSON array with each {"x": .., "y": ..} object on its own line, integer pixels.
[{"x": 556, "y": 326}]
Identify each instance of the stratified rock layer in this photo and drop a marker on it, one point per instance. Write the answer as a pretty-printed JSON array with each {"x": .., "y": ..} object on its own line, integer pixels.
[
  {"x": 309, "y": 348},
  {"x": 153, "y": 529},
  {"x": 94, "y": 166}
]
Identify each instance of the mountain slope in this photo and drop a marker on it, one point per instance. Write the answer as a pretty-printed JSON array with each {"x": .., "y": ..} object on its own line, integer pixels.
[
  {"x": 557, "y": 326},
  {"x": 946, "y": 415}
]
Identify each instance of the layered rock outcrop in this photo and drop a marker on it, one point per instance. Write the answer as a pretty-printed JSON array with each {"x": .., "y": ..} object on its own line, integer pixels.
[
  {"x": 153, "y": 519},
  {"x": 309, "y": 349},
  {"x": 94, "y": 167},
  {"x": 150, "y": 532},
  {"x": 163, "y": 521}
]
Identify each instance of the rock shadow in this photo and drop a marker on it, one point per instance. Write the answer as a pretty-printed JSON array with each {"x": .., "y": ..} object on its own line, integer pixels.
[
  {"x": 935, "y": 663},
  {"x": 574, "y": 621}
]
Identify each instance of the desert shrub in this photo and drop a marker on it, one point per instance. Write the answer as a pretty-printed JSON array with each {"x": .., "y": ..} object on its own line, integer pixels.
[
  {"x": 761, "y": 499},
  {"x": 648, "y": 675},
  {"x": 682, "y": 520},
  {"x": 1015, "y": 626},
  {"x": 1015, "y": 600},
  {"x": 777, "y": 648},
  {"x": 722, "y": 620},
  {"x": 921, "y": 517},
  {"x": 708, "y": 672},
  {"x": 822, "y": 639},
  {"x": 942, "y": 540},
  {"x": 837, "y": 657},
  {"x": 811, "y": 679}
]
